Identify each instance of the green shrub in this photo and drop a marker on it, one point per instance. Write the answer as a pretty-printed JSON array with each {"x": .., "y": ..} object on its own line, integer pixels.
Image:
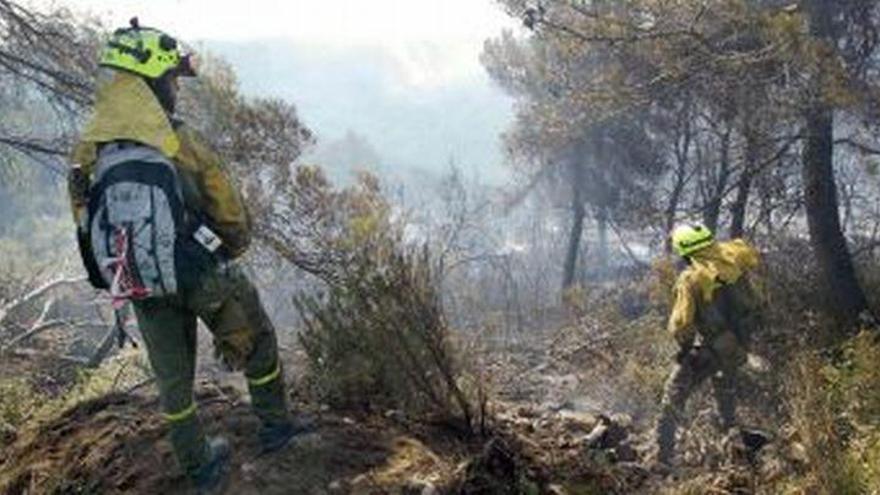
[
  {"x": 380, "y": 340},
  {"x": 18, "y": 400},
  {"x": 377, "y": 337},
  {"x": 834, "y": 412}
]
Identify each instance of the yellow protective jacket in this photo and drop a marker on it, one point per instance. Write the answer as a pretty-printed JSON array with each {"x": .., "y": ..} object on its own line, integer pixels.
[
  {"x": 722, "y": 263},
  {"x": 126, "y": 109}
]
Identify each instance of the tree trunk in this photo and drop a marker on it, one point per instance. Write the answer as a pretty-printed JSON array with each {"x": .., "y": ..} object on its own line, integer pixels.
[
  {"x": 602, "y": 251},
  {"x": 577, "y": 227},
  {"x": 744, "y": 187},
  {"x": 713, "y": 209},
  {"x": 682, "y": 152},
  {"x": 836, "y": 268},
  {"x": 738, "y": 209},
  {"x": 820, "y": 198}
]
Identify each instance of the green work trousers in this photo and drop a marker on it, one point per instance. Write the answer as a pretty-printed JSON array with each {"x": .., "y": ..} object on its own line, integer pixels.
[
  {"x": 228, "y": 303},
  {"x": 700, "y": 364}
]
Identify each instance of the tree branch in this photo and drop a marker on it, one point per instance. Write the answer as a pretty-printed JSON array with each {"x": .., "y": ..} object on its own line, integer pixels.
[
  {"x": 8, "y": 308},
  {"x": 861, "y": 147}
]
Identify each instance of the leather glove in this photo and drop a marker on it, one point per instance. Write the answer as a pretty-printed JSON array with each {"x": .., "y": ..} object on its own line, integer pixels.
[
  {"x": 78, "y": 186},
  {"x": 682, "y": 354}
]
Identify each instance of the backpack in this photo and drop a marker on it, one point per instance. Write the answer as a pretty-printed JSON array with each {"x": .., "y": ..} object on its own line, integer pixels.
[
  {"x": 139, "y": 239},
  {"x": 735, "y": 308}
]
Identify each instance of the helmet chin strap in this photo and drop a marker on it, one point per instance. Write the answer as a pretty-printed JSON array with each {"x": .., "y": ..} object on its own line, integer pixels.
[{"x": 165, "y": 93}]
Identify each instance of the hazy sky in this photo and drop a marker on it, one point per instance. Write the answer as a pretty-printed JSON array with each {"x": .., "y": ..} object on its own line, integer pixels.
[
  {"x": 323, "y": 20},
  {"x": 460, "y": 25},
  {"x": 405, "y": 73}
]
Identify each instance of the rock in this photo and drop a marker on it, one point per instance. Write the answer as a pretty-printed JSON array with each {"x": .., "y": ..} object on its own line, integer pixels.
[
  {"x": 625, "y": 453},
  {"x": 607, "y": 434},
  {"x": 395, "y": 415},
  {"x": 248, "y": 471},
  {"x": 624, "y": 420},
  {"x": 556, "y": 490},
  {"x": 596, "y": 435},
  {"x": 544, "y": 424},
  {"x": 335, "y": 486},
  {"x": 798, "y": 453},
  {"x": 550, "y": 406},
  {"x": 757, "y": 363},
  {"x": 577, "y": 422}
]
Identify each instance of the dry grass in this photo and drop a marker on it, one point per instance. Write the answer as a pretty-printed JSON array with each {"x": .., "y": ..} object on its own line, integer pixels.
[
  {"x": 833, "y": 413},
  {"x": 21, "y": 403},
  {"x": 18, "y": 401}
]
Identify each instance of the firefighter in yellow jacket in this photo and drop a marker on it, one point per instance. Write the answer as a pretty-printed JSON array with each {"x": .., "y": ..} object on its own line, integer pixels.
[
  {"x": 714, "y": 312},
  {"x": 135, "y": 107}
]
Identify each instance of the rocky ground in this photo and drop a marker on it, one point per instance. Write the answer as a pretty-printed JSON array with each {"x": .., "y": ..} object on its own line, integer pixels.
[{"x": 556, "y": 427}]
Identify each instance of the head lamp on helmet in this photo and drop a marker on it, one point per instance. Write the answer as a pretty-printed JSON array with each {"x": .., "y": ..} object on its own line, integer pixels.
[
  {"x": 688, "y": 239},
  {"x": 145, "y": 51}
]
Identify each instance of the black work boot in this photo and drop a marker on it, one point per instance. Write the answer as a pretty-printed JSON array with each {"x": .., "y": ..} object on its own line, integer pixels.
[
  {"x": 274, "y": 437},
  {"x": 211, "y": 476},
  {"x": 270, "y": 405},
  {"x": 666, "y": 427},
  {"x": 754, "y": 440}
]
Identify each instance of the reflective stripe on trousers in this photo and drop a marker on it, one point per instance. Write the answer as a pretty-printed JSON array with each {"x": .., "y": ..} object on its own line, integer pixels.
[
  {"x": 181, "y": 415},
  {"x": 263, "y": 380}
]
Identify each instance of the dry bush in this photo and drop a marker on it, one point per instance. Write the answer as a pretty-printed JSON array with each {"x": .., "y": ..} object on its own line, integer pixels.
[
  {"x": 619, "y": 346},
  {"x": 642, "y": 347},
  {"x": 664, "y": 272},
  {"x": 797, "y": 312},
  {"x": 833, "y": 411},
  {"x": 379, "y": 339},
  {"x": 828, "y": 382},
  {"x": 377, "y": 336},
  {"x": 814, "y": 410}
]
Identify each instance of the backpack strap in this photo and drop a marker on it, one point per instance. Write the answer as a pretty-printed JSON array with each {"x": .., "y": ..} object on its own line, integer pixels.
[{"x": 125, "y": 285}]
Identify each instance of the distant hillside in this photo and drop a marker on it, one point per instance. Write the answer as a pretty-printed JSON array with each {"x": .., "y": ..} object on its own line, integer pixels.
[{"x": 415, "y": 116}]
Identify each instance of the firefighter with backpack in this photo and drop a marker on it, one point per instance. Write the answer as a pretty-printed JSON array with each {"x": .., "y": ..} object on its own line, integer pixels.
[
  {"x": 159, "y": 224},
  {"x": 714, "y": 312}
]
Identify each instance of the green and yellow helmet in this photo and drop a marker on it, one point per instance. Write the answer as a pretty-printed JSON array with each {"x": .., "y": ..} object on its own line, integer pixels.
[
  {"x": 146, "y": 52},
  {"x": 688, "y": 239}
]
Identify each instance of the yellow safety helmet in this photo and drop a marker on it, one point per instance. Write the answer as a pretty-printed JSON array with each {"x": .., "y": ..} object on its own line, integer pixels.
[
  {"x": 688, "y": 239},
  {"x": 146, "y": 52}
]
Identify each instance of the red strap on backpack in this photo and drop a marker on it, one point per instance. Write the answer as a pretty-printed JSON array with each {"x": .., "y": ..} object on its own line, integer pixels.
[{"x": 125, "y": 286}]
